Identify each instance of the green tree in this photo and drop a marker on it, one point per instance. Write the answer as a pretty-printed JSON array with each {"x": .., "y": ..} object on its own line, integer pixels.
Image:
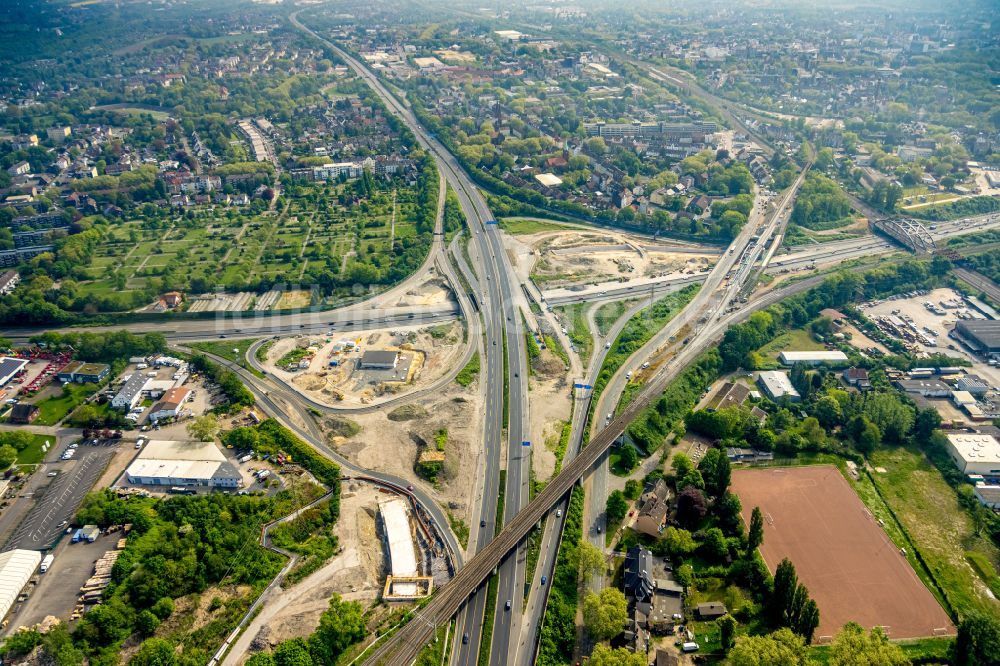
[
  {"x": 8, "y": 454},
  {"x": 293, "y": 652},
  {"x": 807, "y": 618},
  {"x": 19, "y": 439},
  {"x": 606, "y": 613},
  {"x": 163, "y": 608},
  {"x": 629, "y": 459},
  {"x": 715, "y": 544},
  {"x": 260, "y": 659},
  {"x": 616, "y": 506},
  {"x": 854, "y": 647},
  {"x": 684, "y": 575},
  {"x": 154, "y": 652},
  {"x": 146, "y": 622},
  {"x": 869, "y": 438},
  {"x": 781, "y": 648},
  {"x": 203, "y": 428},
  {"x": 786, "y": 581},
  {"x": 677, "y": 542},
  {"x": 978, "y": 641},
  {"x": 755, "y": 537},
  {"x": 591, "y": 559},
  {"x": 633, "y": 489},
  {"x": 606, "y": 656},
  {"x": 716, "y": 471},
  {"x": 681, "y": 465},
  {"x": 828, "y": 412},
  {"x": 727, "y": 510},
  {"x": 928, "y": 420},
  {"x": 340, "y": 626},
  {"x": 727, "y": 631}
]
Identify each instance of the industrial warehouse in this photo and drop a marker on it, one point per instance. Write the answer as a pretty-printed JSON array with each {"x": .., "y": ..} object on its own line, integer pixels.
[
  {"x": 16, "y": 569},
  {"x": 981, "y": 335},
  {"x": 169, "y": 463}
]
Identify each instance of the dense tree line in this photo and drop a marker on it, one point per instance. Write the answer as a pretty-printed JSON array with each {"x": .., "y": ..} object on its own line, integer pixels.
[
  {"x": 558, "y": 632},
  {"x": 237, "y": 395},
  {"x": 820, "y": 203},
  {"x": 106, "y": 347},
  {"x": 954, "y": 209}
]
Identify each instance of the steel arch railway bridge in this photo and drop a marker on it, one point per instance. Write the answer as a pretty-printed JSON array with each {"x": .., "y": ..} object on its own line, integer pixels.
[{"x": 908, "y": 233}]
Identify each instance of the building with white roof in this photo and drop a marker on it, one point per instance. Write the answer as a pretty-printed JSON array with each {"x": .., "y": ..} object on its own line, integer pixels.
[
  {"x": 170, "y": 463},
  {"x": 129, "y": 394},
  {"x": 812, "y": 357},
  {"x": 776, "y": 385},
  {"x": 404, "y": 580},
  {"x": 975, "y": 453},
  {"x": 549, "y": 179},
  {"x": 16, "y": 569}
]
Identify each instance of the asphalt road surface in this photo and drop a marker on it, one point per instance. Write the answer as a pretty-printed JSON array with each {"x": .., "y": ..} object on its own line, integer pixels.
[{"x": 57, "y": 502}]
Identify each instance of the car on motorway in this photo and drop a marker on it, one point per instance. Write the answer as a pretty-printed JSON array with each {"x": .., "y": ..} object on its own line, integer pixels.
[
  {"x": 558, "y": 513},
  {"x": 645, "y": 365},
  {"x": 544, "y": 579},
  {"x": 506, "y": 606},
  {"x": 465, "y": 638}
]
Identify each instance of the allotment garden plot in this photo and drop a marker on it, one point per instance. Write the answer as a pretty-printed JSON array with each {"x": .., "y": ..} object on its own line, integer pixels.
[
  {"x": 312, "y": 237},
  {"x": 841, "y": 553}
]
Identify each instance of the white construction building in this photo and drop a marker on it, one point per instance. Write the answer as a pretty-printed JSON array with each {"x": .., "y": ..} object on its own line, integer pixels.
[
  {"x": 16, "y": 569},
  {"x": 811, "y": 357},
  {"x": 170, "y": 463},
  {"x": 404, "y": 582},
  {"x": 975, "y": 453},
  {"x": 776, "y": 385}
]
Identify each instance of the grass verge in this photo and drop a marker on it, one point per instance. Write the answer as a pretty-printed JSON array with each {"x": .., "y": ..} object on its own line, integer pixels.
[
  {"x": 460, "y": 528},
  {"x": 469, "y": 373},
  {"x": 486, "y": 640},
  {"x": 234, "y": 351}
]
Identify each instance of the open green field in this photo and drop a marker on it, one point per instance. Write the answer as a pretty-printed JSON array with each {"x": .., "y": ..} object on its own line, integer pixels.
[
  {"x": 928, "y": 511},
  {"x": 522, "y": 226},
  {"x": 576, "y": 324},
  {"x": 608, "y": 313},
  {"x": 53, "y": 409},
  {"x": 33, "y": 454},
  {"x": 231, "y": 350},
  {"x": 796, "y": 339},
  {"x": 133, "y": 111}
]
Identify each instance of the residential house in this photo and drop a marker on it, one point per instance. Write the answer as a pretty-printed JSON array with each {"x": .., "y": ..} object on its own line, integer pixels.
[
  {"x": 23, "y": 413},
  {"x": 638, "y": 578},
  {"x": 710, "y": 610},
  {"x": 171, "y": 404},
  {"x": 653, "y": 509},
  {"x": 699, "y": 205},
  {"x": 858, "y": 378},
  {"x": 8, "y": 282},
  {"x": 19, "y": 169},
  {"x": 728, "y": 395}
]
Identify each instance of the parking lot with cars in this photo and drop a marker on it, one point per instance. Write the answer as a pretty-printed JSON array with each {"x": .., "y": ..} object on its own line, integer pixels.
[{"x": 56, "y": 500}]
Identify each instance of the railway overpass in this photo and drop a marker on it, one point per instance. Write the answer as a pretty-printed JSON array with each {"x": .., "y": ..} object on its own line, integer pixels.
[{"x": 908, "y": 233}]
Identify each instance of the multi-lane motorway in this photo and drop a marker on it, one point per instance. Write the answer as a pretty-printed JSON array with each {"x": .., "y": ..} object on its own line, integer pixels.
[{"x": 503, "y": 332}]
